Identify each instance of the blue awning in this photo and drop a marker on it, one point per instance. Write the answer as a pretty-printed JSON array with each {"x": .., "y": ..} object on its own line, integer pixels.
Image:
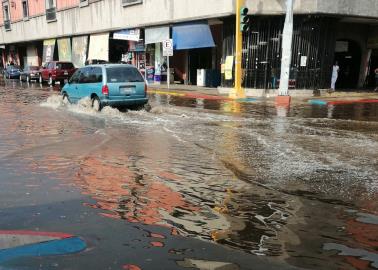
[{"x": 192, "y": 35}]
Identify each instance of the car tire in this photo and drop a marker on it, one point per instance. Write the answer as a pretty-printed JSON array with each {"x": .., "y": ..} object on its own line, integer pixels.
[
  {"x": 147, "y": 107},
  {"x": 96, "y": 104},
  {"x": 66, "y": 99}
]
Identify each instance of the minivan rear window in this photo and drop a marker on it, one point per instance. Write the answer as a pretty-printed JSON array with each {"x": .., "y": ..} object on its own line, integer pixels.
[{"x": 123, "y": 75}]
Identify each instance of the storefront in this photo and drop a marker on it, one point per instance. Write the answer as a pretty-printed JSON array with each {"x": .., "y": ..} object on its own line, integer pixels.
[
  {"x": 64, "y": 49},
  {"x": 196, "y": 58},
  {"x": 32, "y": 58},
  {"x": 98, "y": 48},
  {"x": 127, "y": 46},
  {"x": 156, "y": 63},
  {"x": 79, "y": 50},
  {"x": 11, "y": 56},
  {"x": 49, "y": 52}
]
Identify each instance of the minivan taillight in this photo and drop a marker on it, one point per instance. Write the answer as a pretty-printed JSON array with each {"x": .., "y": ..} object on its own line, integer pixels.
[
  {"x": 105, "y": 90},
  {"x": 145, "y": 89}
]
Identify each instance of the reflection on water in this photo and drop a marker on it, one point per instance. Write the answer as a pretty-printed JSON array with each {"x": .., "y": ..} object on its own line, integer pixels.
[{"x": 236, "y": 174}]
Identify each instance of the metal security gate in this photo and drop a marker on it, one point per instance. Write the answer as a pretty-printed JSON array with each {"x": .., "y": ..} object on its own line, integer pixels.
[{"x": 313, "y": 49}]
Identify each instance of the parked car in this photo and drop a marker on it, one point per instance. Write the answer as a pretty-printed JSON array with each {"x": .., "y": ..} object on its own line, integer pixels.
[
  {"x": 12, "y": 72},
  {"x": 30, "y": 73},
  {"x": 113, "y": 85},
  {"x": 56, "y": 71}
]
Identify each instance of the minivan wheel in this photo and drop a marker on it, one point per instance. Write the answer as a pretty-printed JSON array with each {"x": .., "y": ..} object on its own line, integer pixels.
[
  {"x": 147, "y": 107},
  {"x": 66, "y": 99},
  {"x": 96, "y": 104}
]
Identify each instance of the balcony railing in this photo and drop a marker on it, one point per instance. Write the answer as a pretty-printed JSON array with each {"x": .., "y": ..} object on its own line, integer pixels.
[
  {"x": 7, "y": 25},
  {"x": 51, "y": 14}
]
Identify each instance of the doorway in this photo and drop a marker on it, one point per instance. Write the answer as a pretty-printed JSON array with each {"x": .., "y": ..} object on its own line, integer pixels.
[
  {"x": 199, "y": 59},
  {"x": 348, "y": 56}
]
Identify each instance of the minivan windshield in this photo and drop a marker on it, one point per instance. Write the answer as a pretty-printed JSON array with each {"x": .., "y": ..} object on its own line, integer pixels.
[{"x": 123, "y": 74}]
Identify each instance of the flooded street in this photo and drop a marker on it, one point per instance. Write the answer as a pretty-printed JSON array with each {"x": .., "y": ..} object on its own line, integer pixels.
[{"x": 192, "y": 184}]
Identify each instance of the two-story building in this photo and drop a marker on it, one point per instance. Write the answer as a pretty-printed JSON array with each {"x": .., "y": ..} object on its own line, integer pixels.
[{"x": 35, "y": 31}]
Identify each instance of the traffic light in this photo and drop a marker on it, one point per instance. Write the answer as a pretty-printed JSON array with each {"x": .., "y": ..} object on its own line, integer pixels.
[{"x": 244, "y": 19}]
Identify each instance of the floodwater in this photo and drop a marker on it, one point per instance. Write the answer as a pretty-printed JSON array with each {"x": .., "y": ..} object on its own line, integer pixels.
[{"x": 299, "y": 187}]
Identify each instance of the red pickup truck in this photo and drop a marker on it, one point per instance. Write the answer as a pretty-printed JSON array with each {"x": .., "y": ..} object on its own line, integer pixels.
[{"x": 56, "y": 71}]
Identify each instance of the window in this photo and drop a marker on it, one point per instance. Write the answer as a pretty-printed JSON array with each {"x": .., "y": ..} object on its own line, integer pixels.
[
  {"x": 64, "y": 66},
  {"x": 91, "y": 75},
  {"x": 75, "y": 77},
  {"x": 51, "y": 65},
  {"x": 131, "y": 2},
  {"x": 50, "y": 10},
  {"x": 7, "y": 22},
  {"x": 123, "y": 74},
  {"x": 95, "y": 75},
  {"x": 25, "y": 9},
  {"x": 83, "y": 3}
]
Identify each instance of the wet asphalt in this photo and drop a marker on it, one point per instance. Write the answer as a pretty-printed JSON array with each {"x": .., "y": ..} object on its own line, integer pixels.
[{"x": 192, "y": 184}]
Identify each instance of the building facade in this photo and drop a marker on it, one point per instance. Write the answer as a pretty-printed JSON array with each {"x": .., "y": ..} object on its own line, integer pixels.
[{"x": 33, "y": 32}]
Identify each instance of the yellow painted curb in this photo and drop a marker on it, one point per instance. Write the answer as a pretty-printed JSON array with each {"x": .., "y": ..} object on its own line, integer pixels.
[{"x": 166, "y": 93}]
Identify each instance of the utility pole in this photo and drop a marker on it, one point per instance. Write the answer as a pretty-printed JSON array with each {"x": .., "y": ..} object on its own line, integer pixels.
[
  {"x": 242, "y": 21},
  {"x": 287, "y": 40}
]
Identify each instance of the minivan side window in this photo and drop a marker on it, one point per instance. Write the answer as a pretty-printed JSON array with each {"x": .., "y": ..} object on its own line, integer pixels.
[
  {"x": 84, "y": 75},
  {"x": 95, "y": 75},
  {"x": 75, "y": 77},
  {"x": 91, "y": 75}
]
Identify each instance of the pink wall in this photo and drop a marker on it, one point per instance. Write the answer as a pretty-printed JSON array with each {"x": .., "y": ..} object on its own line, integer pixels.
[
  {"x": 36, "y": 7},
  {"x": 15, "y": 8},
  {"x": 1, "y": 14},
  {"x": 61, "y": 4}
]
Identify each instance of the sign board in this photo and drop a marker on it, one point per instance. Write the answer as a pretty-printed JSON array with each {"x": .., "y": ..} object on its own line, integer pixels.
[
  {"x": 128, "y": 34},
  {"x": 168, "y": 47}
]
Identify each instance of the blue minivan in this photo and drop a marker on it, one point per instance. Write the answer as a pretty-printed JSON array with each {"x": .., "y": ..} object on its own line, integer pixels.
[{"x": 116, "y": 85}]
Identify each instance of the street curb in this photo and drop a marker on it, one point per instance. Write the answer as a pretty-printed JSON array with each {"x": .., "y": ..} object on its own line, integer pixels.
[
  {"x": 200, "y": 96},
  {"x": 340, "y": 102}
]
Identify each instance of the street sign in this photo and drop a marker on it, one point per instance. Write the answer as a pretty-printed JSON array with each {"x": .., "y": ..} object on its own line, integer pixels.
[{"x": 168, "y": 47}]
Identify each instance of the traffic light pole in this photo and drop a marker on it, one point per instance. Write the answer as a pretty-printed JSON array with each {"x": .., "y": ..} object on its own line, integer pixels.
[
  {"x": 287, "y": 40},
  {"x": 238, "y": 92}
]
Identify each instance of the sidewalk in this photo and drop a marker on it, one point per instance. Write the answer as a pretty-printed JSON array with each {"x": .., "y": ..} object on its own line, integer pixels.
[{"x": 192, "y": 91}]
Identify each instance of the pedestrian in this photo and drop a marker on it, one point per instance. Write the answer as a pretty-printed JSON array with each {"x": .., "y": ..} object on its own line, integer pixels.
[
  {"x": 376, "y": 79},
  {"x": 274, "y": 77},
  {"x": 335, "y": 75}
]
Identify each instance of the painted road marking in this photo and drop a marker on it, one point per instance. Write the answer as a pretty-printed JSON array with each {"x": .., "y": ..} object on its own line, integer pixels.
[
  {"x": 340, "y": 102},
  {"x": 201, "y": 96},
  {"x": 16, "y": 244}
]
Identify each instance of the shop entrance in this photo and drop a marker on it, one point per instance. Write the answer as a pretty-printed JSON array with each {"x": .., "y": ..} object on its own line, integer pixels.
[
  {"x": 199, "y": 59},
  {"x": 373, "y": 65},
  {"x": 348, "y": 56}
]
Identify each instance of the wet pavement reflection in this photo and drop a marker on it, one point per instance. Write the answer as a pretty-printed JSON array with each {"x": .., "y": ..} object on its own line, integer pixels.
[{"x": 298, "y": 186}]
